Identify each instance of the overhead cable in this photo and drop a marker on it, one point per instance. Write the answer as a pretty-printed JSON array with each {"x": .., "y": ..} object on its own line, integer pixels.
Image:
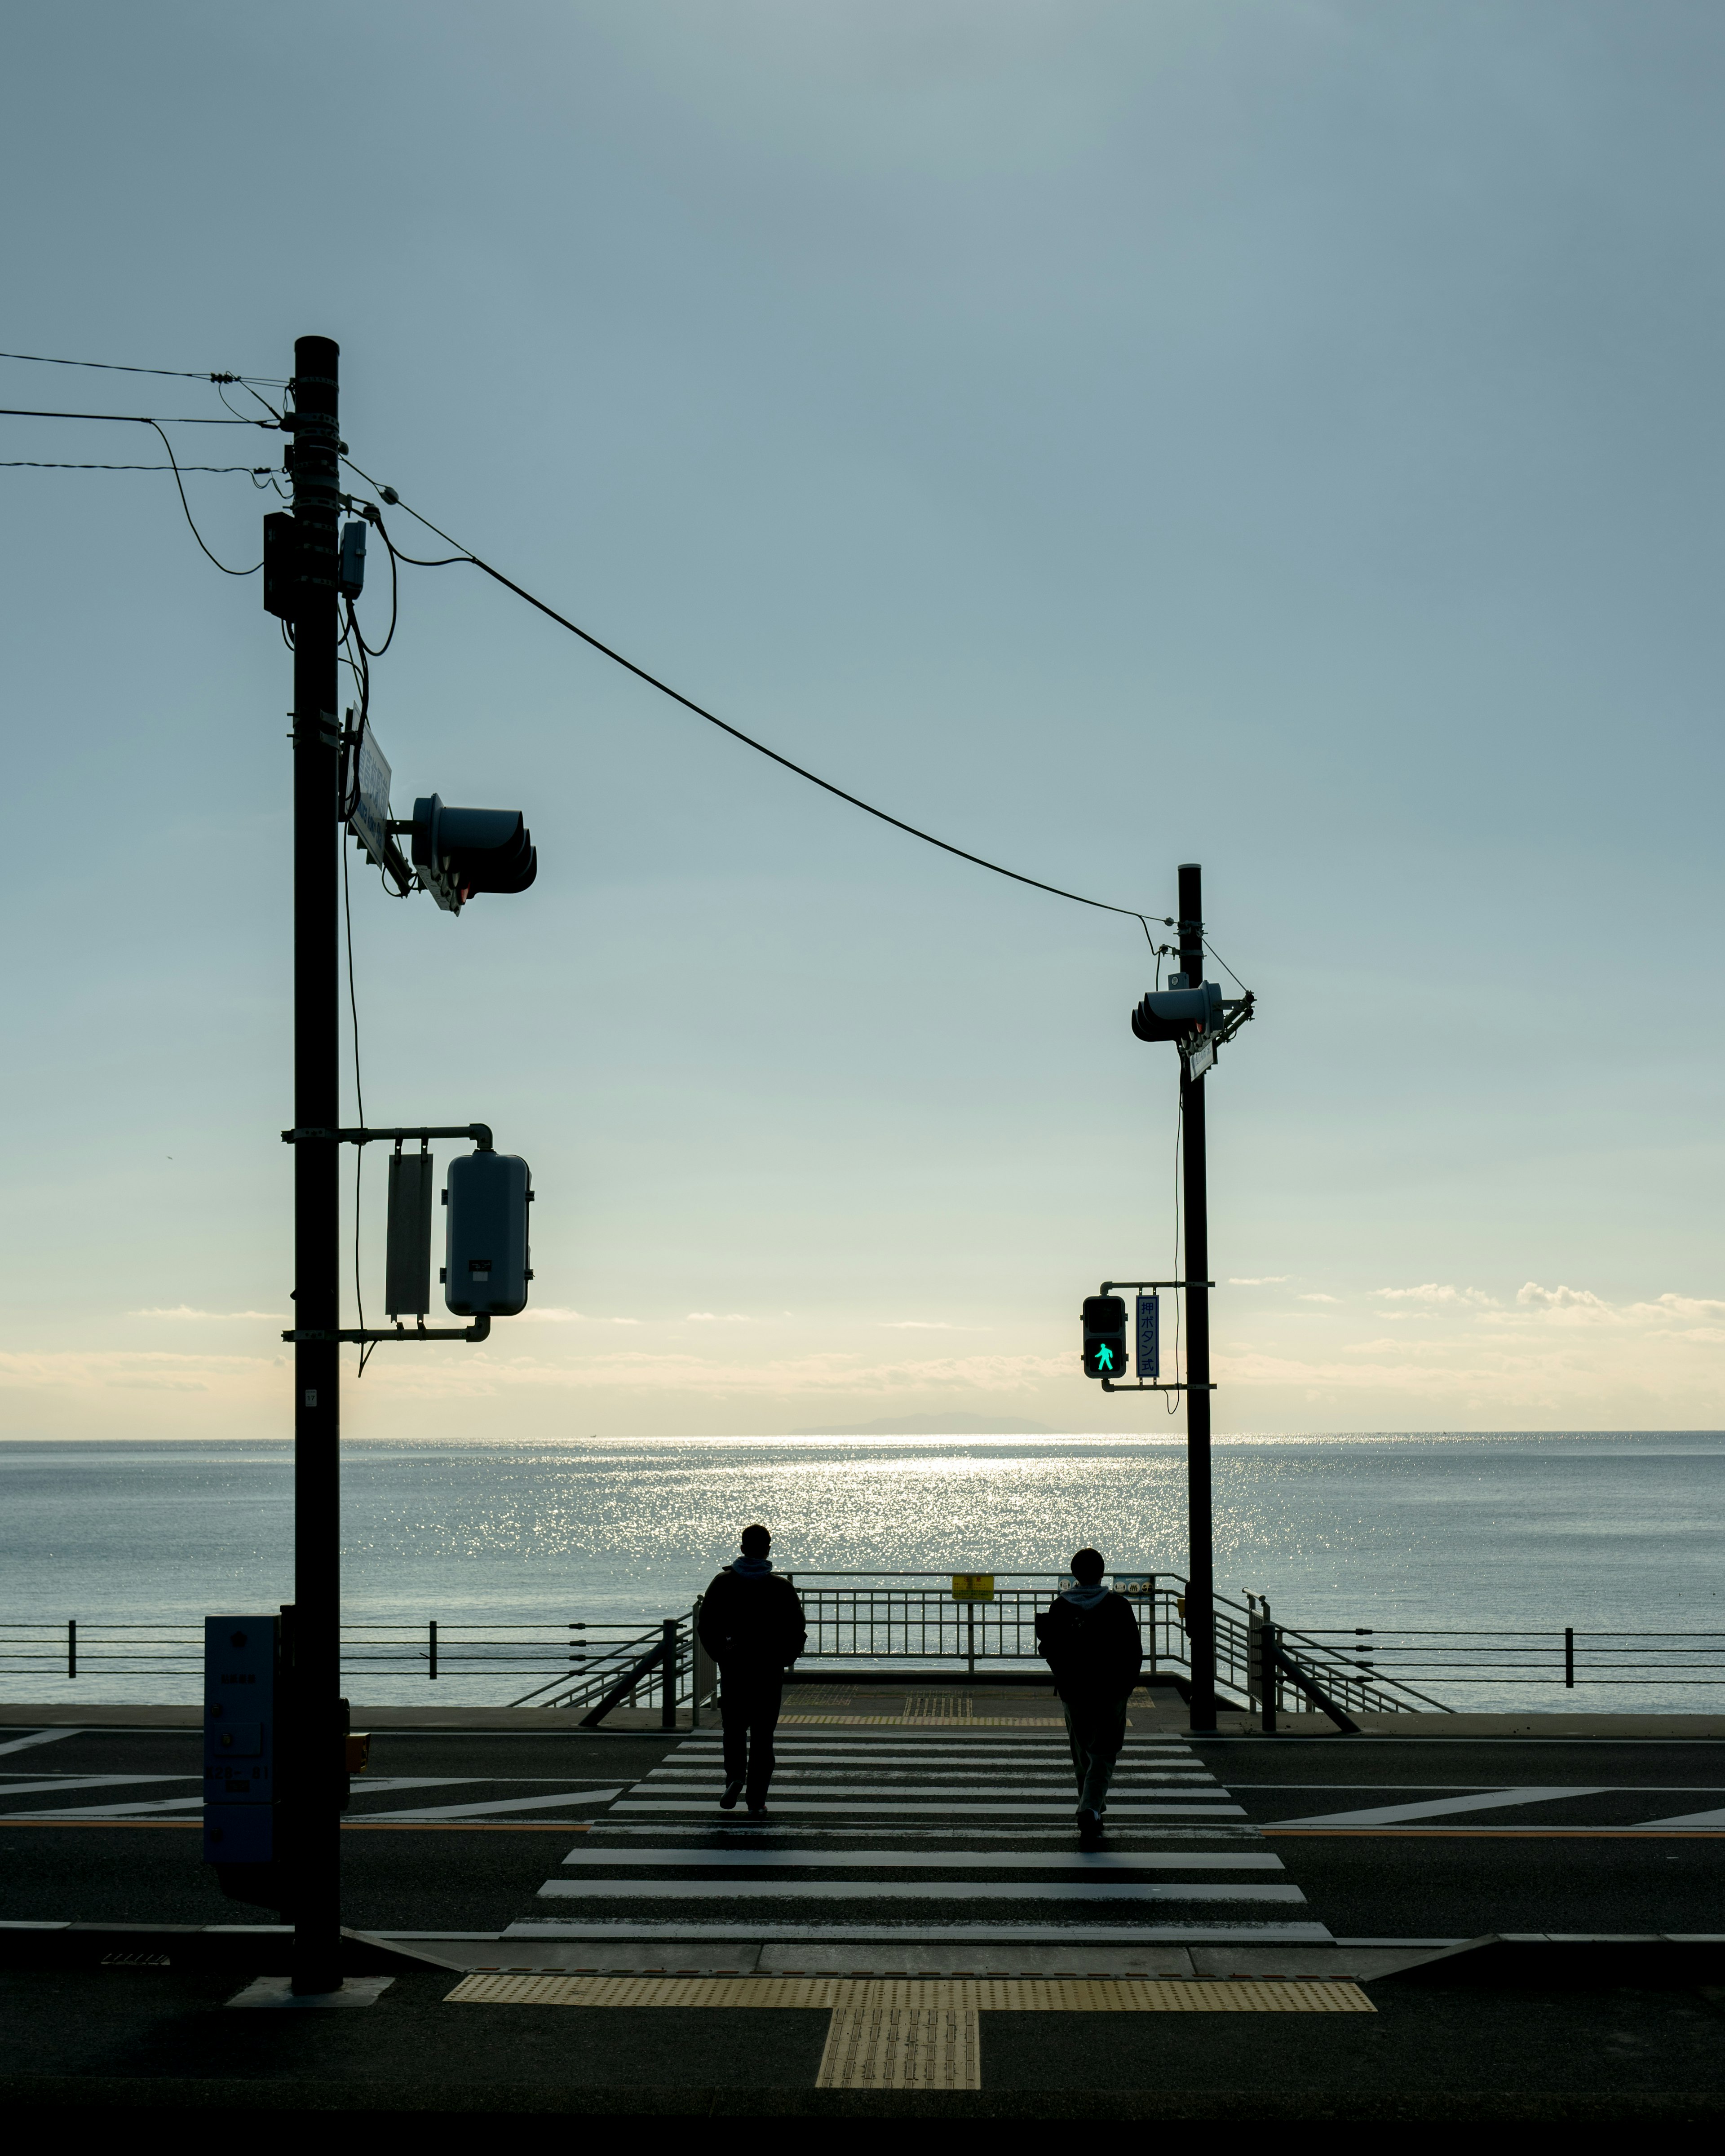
[{"x": 665, "y": 689}]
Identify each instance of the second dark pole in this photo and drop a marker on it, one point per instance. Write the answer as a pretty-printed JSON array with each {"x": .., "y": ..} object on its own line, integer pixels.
[
  {"x": 317, "y": 1765},
  {"x": 1200, "y": 1565}
]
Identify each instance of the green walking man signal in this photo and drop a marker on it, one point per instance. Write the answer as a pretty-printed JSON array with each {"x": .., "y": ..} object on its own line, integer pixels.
[{"x": 1105, "y": 1354}]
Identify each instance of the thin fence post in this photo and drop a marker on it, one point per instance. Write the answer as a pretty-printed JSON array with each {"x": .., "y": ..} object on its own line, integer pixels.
[
  {"x": 71, "y": 1646},
  {"x": 1267, "y": 1676},
  {"x": 668, "y": 1675},
  {"x": 970, "y": 1637},
  {"x": 431, "y": 1651},
  {"x": 1569, "y": 1657}
]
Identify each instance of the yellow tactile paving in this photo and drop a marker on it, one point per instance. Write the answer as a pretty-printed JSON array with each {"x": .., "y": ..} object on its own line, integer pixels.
[
  {"x": 866, "y": 1995},
  {"x": 923, "y": 1721},
  {"x": 901, "y": 2047}
]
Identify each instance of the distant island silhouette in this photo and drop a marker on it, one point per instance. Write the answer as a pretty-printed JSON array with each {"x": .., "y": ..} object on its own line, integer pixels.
[{"x": 948, "y": 1425}]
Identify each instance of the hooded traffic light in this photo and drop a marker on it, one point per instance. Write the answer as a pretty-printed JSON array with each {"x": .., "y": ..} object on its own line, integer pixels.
[
  {"x": 1105, "y": 1336},
  {"x": 461, "y": 852},
  {"x": 1183, "y": 1014}
]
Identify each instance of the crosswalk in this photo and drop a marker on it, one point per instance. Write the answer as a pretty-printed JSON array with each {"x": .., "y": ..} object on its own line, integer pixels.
[{"x": 919, "y": 1839}]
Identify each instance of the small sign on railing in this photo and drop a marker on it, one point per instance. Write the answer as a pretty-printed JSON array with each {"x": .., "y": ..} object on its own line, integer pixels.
[{"x": 972, "y": 1587}]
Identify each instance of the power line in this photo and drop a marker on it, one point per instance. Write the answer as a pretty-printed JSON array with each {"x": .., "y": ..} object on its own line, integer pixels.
[
  {"x": 133, "y": 418},
  {"x": 665, "y": 689},
  {"x": 113, "y": 366},
  {"x": 37, "y": 464}
]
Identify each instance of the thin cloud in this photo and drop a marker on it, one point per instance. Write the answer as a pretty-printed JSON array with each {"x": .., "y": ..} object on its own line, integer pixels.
[
  {"x": 1434, "y": 1295},
  {"x": 714, "y": 1317},
  {"x": 1532, "y": 1297},
  {"x": 1320, "y": 1298},
  {"x": 1260, "y": 1280},
  {"x": 217, "y": 1317},
  {"x": 549, "y": 1314}
]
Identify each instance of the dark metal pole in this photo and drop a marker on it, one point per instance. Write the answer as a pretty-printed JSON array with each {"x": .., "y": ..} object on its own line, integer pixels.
[
  {"x": 317, "y": 1767},
  {"x": 1200, "y": 1568}
]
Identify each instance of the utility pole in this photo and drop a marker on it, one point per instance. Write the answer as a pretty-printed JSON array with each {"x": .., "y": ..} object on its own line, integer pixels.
[
  {"x": 318, "y": 1764},
  {"x": 1200, "y": 1564}
]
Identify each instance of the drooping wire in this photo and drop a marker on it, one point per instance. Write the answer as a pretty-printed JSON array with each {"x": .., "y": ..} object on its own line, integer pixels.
[
  {"x": 140, "y": 419},
  {"x": 652, "y": 681},
  {"x": 180, "y": 485},
  {"x": 178, "y": 373},
  {"x": 377, "y": 651}
]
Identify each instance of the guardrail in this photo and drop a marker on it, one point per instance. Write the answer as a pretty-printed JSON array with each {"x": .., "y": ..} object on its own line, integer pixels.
[
  {"x": 1566, "y": 1657},
  {"x": 880, "y": 1620},
  {"x": 575, "y": 1663}
]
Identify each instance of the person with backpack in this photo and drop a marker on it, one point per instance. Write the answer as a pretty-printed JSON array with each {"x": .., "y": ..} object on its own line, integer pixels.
[
  {"x": 1088, "y": 1638},
  {"x": 752, "y": 1624}
]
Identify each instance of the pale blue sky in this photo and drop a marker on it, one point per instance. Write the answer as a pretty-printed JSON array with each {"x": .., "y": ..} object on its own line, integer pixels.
[{"x": 1282, "y": 434}]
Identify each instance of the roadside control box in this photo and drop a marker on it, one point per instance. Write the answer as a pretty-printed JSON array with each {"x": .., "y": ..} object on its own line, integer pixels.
[
  {"x": 485, "y": 1269},
  {"x": 241, "y": 1679}
]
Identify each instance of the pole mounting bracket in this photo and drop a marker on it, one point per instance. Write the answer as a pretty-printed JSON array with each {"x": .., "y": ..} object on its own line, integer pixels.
[
  {"x": 480, "y": 1329},
  {"x": 480, "y": 1133}
]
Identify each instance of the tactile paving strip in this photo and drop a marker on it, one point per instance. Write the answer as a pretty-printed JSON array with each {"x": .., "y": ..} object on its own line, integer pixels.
[
  {"x": 892, "y": 2047},
  {"x": 865, "y": 1995}
]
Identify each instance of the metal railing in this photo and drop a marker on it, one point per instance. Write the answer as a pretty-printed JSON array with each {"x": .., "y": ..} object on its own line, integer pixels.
[
  {"x": 569, "y": 1664},
  {"x": 885, "y": 1618},
  {"x": 1551, "y": 1658},
  {"x": 590, "y": 1668}
]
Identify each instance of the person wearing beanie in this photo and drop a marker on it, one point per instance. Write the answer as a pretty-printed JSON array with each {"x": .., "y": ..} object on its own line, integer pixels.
[
  {"x": 752, "y": 1624},
  {"x": 1088, "y": 1638}
]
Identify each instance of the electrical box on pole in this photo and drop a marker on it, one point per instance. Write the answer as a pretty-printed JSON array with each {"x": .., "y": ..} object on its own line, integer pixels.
[
  {"x": 351, "y": 571},
  {"x": 281, "y": 566},
  {"x": 485, "y": 1269}
]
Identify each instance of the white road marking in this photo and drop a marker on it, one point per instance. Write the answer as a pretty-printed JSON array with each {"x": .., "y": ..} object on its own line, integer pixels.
[
  {"x": 67, "y": 1783},
  {"x": 1684, "y": 1818},
  {"x": 1217, "y": 1932},
  {"x": 747, "y": 1830},
  {"x": 565, "y": 1798},
  {"x": 110, "y": 1811},
  {"x": 1028, "y": 1777},
  {"x": 1074, "y": 1860},
  {"x": 896, "y": 1806},
  {"x": 873, "y": 1890},
  {"x": 42, "y": 1737},
  {"x": 1441, "y": 1807},
  {"x": 701, "y": 1790}
]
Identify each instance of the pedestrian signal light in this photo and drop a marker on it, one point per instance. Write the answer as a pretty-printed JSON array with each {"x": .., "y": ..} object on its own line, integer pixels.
[
  {"x": 460, "y": 852},
  {"x": 1105, "y": 1354}
]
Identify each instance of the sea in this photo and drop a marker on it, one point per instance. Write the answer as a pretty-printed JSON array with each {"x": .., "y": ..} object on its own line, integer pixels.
[{"x": 1606, "y": 1532}]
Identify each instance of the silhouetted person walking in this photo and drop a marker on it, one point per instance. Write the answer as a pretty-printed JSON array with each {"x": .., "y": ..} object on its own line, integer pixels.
[
  {"x": 1088, "y": 1638},
  {"x": 752, "y": 1624}
]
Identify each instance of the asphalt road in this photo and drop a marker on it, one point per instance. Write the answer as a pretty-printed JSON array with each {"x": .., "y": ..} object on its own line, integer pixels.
[
  {"x": 1504, "y": 1864},
  {"x": 1536, "y": 1863}
]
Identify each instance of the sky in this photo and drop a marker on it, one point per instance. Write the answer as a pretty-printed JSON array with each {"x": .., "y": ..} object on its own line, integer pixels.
[{"x": 1279, "y": 434}]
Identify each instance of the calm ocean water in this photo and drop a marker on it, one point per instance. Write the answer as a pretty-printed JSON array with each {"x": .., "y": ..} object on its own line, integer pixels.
[{"x": 1616, "y": 1530}]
